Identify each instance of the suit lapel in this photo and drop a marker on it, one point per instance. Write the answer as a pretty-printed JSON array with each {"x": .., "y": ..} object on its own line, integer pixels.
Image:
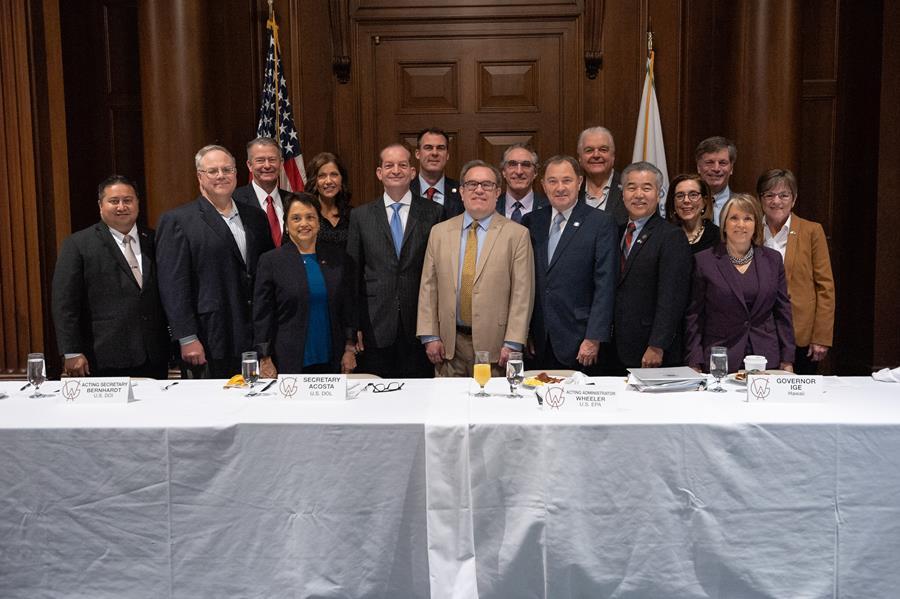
[
  {"x": 146, "y": 253},
  {"x": 112, "y": 247},
  {"x": 215, "y": 222},
  {"x": 454, "y": 242},
  {"x": 493, "y": 232},
  {"x": 638, "y": 243},
  {"x": 541, "y": 223},
  {"x": 793, "y": 243},
  {"x": 251, "y": 240},
  {"x": 381, "y": 220},
  {"x": 765, "y": 275},
  {"x": 730, "y": 274},
  {"x": 572, "y": 227},
  {"x": 412, "y": 221}
]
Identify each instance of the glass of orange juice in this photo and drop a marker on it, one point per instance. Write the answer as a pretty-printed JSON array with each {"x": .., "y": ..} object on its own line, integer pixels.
[{"x": 482, "y": 371}]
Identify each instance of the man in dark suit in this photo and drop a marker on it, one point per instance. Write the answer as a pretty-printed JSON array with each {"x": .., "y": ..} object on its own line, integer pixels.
[
  {"x": 519, "y": 168},
  {"x": 602, "y": 187},
  {"x": 264, "y": 163},
  {"x": 575, "y": 265},
  {"x": 655, "y": 281},
  {"x": 106, "y": 307},
  {"x": 387, "y": 241},
  {"x": 432, "y": 153},
  {"x": 207, "y": 252}
]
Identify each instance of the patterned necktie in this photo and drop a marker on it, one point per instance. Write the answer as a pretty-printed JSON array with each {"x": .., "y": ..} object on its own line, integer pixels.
[
  {"x": 517, "y": 212},
  {"x": 132, "y": 262},
  {"x": 397, "y": 227},
  {"x": 626, "y": 247},
  {"x": 273, "y": 221},
  {"x": 555, "y": 234},
  {"x": 468, "y": 275},
  {"x": 429, "y": 193}
]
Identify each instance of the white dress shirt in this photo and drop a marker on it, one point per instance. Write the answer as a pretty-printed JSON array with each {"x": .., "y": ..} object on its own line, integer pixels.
[
  {"x": 135, "y": 244},
  {"x": 276, "y": 202},
  {"x": 778, "y": 242},
  {"x": 406, "y": 200}
]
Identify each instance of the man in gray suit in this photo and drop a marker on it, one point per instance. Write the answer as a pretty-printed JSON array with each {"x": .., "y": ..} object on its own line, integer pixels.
[{"x": 387, "y": 241}]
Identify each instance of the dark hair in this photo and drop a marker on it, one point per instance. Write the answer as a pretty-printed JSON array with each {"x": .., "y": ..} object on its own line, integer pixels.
[
  {"x": 291, "y": 198},
  {"x": 433, "y": 131},
  {"x": 710, "y": 145},
  {"x": 342, "y": 200},
  {"x": 671, "y": 215},
  {"x": 263, "y": 141},
  {"x": 116, "y": 180},
  {"x": 559, "y": 159},
  {"x": 773, "y": 177},
  {"x": 476, "y": 163}
]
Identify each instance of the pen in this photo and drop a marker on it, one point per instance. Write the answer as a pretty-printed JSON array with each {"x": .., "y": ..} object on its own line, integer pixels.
[
  {"x": 25, "y": 386},
  {"x": 269, "y": 384},
  {"x": 172, "y": 384}
]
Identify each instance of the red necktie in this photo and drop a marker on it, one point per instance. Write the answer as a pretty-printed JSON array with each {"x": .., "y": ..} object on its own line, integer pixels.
[
  {"x": 429, "y": 193},
  {"x": 626, "y": 247},
  {"x": 273, "y": 221}
]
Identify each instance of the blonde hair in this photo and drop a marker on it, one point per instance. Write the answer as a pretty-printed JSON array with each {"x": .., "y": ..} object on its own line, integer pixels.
[{"x": 746, "y": 203}]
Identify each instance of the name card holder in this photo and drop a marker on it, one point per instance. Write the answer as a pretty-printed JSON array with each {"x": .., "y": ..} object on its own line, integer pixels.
[
  {"x": 311, "y": 387},
  {"x": 785, "y": 388},
  {"x": 578, "y": 398},
  {"x": 99, "y": 390}
]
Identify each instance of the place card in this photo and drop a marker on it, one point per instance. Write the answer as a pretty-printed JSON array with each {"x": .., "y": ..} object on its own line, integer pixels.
[
  {"x": 312, "y": 387},
  {"x": 570, "y": 398},
  {"x": 96, "y": 390},
  {"x": 785, "y": 388}
]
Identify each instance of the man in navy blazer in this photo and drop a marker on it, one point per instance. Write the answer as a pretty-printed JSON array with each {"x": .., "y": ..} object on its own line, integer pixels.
[
  {"x": 432, "y": 153},
  {"x": 519, "y": 168},
  {"x": 264, "y": 162},
  {"x": 207, "y": 252},
  {"x": 655, "y": 280},
  {"x": 575, "y": 265},
  {"x": 108, "y": 316}
]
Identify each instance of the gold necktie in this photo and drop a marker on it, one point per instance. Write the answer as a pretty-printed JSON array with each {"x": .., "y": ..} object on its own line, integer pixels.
[{"x": 468, "y": 275}]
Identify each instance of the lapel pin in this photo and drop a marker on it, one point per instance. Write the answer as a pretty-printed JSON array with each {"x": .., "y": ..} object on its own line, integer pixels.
[{"x": 576, "y": 224}]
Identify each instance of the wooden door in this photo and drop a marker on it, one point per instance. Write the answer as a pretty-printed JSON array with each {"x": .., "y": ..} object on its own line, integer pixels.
[{"x": 487, "y": 84}]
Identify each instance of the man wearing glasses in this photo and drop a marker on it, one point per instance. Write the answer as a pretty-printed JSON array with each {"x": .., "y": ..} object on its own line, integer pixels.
[
  {"x": 207, "y": 252},
  {"x": 519, "y": 168},
  {"x": 477, "y": 287}
]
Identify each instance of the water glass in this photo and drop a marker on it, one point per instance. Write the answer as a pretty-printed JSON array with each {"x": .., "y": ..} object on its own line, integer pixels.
[
  {"x": 718, "y": 366},
  {"x": 515, "y": 370},
  {"x": 36, "y": 372},
  {"x": 250, "y": 367}
]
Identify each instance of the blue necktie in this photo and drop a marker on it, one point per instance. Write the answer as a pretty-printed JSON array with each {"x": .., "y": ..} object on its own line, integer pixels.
[
  {"x": 397, "y": 227},
  {"x": 555, "y": 232},
  {"x": 517, "y": 212}
]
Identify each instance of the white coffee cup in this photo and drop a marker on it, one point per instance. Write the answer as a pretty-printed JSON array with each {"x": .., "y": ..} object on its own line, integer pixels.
[{"x": 752, "y": 363}]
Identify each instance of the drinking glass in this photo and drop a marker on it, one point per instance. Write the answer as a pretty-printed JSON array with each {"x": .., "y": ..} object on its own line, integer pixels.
[
  {"x": 250, "y": 367},
  {"x": 515, "y": 370},
  {"x": 482, "y": 371},
  {"x": 36, "y": 373},
  {"x": 718, "y": 366}
]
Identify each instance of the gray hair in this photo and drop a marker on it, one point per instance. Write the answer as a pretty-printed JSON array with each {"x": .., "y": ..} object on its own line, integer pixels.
[
  {"x": 206, "y": 150},
  {"x": 262, "y": 141},
  {"x": 474, "y": 164},
  {"x": 643, "y": 167},
  {"x": 595, "y": 131},
  {"x": 516, "y": 146}
]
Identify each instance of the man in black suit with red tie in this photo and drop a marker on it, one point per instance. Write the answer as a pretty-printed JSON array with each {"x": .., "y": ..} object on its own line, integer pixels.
[
  {"x": 433, "y": 152},
  {"x": 264, "y": 162},
  {"x": 207, "y": 252},
  {"x": 654, "y": 285},
  {"x": 105, "y": 301},
  {"x": 387, "y": 241}
]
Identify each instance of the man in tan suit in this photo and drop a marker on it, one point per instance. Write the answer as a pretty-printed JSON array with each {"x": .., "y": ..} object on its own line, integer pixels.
[{"x": 477, "y": 288}]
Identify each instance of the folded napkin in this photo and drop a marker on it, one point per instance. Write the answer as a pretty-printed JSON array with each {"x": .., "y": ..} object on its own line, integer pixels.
[{"x": 886, "y": 375}]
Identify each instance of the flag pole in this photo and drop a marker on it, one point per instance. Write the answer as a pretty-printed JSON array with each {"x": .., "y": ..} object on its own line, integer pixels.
[{"x": 271, "y": 24}]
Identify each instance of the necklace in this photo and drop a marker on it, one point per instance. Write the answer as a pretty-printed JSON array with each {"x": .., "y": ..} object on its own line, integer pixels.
[
  {"x": 692, "y": 239},
  {"x": 745, "y": 259}
]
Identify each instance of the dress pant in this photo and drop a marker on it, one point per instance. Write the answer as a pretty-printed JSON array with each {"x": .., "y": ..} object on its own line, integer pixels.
[
  {"x": 152, "y": 370},
  {"x": 802, "y": 363},
  {"x": 224, "y": 368},
  {"x": 604, "y": 366},
  {"x": 404, "y": 359},
  {"x": 463, "y": 362}
]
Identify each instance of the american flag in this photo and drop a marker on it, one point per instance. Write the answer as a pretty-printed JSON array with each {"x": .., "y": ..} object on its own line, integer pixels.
[{"x": 275, "y": 118}]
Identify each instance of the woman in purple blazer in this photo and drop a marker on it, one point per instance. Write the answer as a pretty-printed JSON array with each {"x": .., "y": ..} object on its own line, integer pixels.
[{"x": 739, "y": 296}]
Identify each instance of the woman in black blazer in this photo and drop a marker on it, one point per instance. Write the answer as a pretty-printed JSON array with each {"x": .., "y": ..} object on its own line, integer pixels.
[{"x": 304, "y": 319}]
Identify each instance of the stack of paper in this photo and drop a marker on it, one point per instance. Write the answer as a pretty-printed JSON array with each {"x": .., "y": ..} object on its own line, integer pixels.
[{"x": 678, "y": 378}]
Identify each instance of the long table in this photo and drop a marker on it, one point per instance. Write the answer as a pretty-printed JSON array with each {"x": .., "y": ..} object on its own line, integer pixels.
[{"x": 428, "y": 492}]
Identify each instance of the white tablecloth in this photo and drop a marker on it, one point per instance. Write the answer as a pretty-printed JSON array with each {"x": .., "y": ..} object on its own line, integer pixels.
[{"x": 201, "y": 492}]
